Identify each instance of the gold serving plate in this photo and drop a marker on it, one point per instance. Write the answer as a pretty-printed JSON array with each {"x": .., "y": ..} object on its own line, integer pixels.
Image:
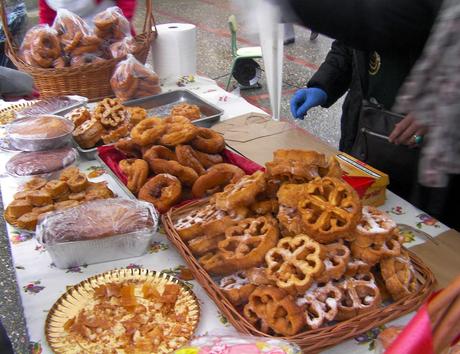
[{"x": 80, "y": 295}]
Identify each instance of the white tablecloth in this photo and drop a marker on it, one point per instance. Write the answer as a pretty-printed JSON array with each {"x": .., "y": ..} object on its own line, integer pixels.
[{"x": 41, "y": 283}]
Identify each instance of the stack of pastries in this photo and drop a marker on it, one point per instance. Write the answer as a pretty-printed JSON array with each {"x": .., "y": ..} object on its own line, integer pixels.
[
  {"x": 170, "y": 159},
  {"x": 39, "y": 196},
  {"x": 294, "y": 249},
  {"x": 107, "y": 123}
]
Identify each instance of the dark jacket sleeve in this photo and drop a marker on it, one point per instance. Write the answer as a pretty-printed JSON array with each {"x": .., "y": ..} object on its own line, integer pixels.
[
  {"x": 334, "y": 74},
  {"x": 370, "y": 24}
]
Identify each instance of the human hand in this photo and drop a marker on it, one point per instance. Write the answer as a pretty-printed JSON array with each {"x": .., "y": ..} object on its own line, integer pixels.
[
  {"x": 406, "y": 131},
  {"x": 306, "y": 98}
]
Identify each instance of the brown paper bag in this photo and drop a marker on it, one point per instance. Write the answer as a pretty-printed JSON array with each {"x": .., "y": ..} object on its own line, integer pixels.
[{"x": 443, "y": 259}]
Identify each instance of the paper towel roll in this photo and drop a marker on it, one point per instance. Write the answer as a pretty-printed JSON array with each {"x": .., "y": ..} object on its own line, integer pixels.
[{"x": 174, "y": 50}]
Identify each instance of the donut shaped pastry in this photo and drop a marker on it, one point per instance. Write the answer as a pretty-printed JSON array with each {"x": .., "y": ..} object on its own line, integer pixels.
[
  {"x": 185, "y": 174},
  {"x": 128, "y": 147},
  {"x": 159, "y": 152},
  {"x": 148, "y": 131},
  {"x": 187, "y": 157},
  {"x": 209, "y": 141},
  {"x": 178, "y": 133},
  {"x": 216, "y": 178},
  {"x": 208, "y": 160},
  {"x": 163, "y": 191},
  {"x": 137, "y": 171},
  {"x": 87, "y": 58}
]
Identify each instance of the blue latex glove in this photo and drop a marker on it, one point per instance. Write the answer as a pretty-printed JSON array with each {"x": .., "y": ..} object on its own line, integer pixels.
[{"x": 306, "y": 98}]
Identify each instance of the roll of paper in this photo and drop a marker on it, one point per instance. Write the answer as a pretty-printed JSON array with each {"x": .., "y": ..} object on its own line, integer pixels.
[{"x": 174, "y": 50}]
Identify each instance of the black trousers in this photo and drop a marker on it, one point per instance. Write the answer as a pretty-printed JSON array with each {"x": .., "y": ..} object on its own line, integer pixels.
[
  {"x": 5, "y": 344},
  {"x": 441, "y": 203}
]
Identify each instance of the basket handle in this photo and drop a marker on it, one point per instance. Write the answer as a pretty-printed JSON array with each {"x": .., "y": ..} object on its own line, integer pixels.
[
  {"x": 9, "y": 47},
  {"x": 149, "y": 21}
]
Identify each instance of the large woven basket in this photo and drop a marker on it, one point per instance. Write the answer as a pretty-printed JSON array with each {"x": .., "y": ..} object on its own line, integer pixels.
[
  {"x": 310, "y": 341},
  {"x": 89, "y": 80}
]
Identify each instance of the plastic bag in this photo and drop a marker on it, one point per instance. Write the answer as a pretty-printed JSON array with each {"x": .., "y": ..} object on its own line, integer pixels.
[
  {"x": 124, "y": 47},
  {"x": 40, "y": 46},
  {"x": 131, "y": 79},
  {"x": 111, "y": 25},
  {"x": 229, "y": 344},
  {"x": 40, "y": 163},
  {"x": 74, "y": 33},
  {"x": 97, "y": 219}
]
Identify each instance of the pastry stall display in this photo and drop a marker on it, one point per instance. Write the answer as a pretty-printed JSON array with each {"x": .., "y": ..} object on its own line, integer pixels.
[
  {"x": 131, "y": 79},
  {"x": 39, "y": 196},
  {"x": 293, "y": 249},
  {"x": 71, "y": 42},
  {"x": 43, "y": 132}
]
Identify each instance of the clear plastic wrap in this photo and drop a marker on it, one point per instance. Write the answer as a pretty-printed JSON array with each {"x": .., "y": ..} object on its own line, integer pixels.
[
  {"x": 97, "y": 219},
  {"x": 232, "y": 344},
  {"x": 131, "y": 80},
  {"x": 38, "y": 133},
  {"x": 40, "y": 47},
  {"x": 74, "y": 34},
  {"x": 38, "y": 163},
  {"x": 53, "y": 105},
  {"x": 124, "y": 47},
  {"x": 98, "y": 231},
  {"x": 111, "y": 25}
]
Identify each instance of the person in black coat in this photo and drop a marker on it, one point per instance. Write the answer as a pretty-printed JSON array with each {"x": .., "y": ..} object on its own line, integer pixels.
[{"x": 377, "y": 43}]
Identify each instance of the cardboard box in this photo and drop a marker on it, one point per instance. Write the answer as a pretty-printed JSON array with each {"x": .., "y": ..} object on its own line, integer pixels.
[
  {"x": 256, "y": 136},
  {"x": 370, "y": 183}
]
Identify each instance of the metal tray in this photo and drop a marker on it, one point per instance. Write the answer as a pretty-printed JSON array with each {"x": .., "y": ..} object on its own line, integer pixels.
[{"x": 161, "y": 105}]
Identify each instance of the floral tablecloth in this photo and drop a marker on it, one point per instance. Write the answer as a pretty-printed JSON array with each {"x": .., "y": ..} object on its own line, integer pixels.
[{"x": 41, "y": 283}]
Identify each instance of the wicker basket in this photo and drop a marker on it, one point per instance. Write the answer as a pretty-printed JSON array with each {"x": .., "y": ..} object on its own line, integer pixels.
[
  {"x": 312, "y": 340},
  {"x": 89, "y": 80}
]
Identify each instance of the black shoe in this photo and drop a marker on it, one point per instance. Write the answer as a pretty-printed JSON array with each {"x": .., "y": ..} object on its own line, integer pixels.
[{"x": 289, "y": 41}]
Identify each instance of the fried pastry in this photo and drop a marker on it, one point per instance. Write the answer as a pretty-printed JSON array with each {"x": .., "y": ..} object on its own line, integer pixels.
[
  {"x": 208, "y": 242},
  {"x": 375, "y": 227},
  {"x": 190, "y": 111},
  {"x": 399, "y": 275},
  {"x": 27, "y": 221},
  {"x": 335, "y": 262},
  {"x": 110, "y": 113},
  {"x": 78, "y": 183},
  {"x": 273, "y": 309},
  {"x": 373, "y": 253},
  {"x": 19, "y": 207},
  {"x": 137, "y": 171},
  {"x": 296, "y": 166},
  {"x": 294, "y": 263},
  {"x": 246, "y": 243},
  {"x": 320, "y": 304},
  {"x": 33, "y": 184},
  {"x": 39, "y": 198},
  {"x": 360, "y": 294},
  {"x": 241, "y": 194},
  {"x": 56, "y": 188},
  {"x": 237, "y": 288},
  {"x": 330, "y": 211},
  {"x": 195, "y": 223},
  {"x": 163, "y": 191}
]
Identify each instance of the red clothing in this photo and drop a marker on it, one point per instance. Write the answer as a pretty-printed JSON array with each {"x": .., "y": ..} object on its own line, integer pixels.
[{"x": 47, "y": 14}]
